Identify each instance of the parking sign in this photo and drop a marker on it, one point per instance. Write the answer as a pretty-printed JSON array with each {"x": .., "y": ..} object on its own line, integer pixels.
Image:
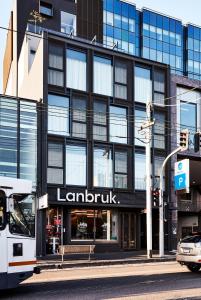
[{"x": 181, "y": 178}]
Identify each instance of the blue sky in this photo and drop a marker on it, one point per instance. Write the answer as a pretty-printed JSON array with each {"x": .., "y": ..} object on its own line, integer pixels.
[{"x": 186, "y": 10}]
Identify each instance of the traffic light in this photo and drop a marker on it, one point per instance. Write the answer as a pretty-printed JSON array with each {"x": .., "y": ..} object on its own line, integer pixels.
[
  {"x": 155, "y": 197},
  {"x": 197, "y": 142},
  {"x": 184, "y": 137}
]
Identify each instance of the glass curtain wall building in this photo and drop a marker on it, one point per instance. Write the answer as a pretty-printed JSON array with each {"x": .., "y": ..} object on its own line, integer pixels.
[
  {"x": 18, "y": 139},
  {"x": 153, "y": 36}
]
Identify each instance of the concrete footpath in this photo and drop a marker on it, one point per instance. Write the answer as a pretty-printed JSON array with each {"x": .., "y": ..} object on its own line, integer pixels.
[{"x": 101, "y": 259}]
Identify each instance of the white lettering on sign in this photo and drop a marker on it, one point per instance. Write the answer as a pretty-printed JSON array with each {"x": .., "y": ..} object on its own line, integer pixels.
[{"x": 88, "y": 197}]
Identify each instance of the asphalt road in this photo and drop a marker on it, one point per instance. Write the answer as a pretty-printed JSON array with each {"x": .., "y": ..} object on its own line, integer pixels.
[{"x": 148, "y": 281}]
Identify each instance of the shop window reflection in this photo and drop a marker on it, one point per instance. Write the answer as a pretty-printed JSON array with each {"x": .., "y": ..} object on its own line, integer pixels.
[{"x": 94, "y": 225}]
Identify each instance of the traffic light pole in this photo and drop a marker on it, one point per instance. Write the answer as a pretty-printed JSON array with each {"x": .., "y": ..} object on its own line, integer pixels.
[
  {"x": 161, "y": 202},
  {"x": 148, "y": 133},
  {"x": 146, "y": 129}
]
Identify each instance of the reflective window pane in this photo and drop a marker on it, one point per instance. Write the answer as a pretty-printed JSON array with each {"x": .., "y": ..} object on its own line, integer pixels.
[
  {"x": 28, "y": 141},
  {"x": 103, "y": 76},
  {"x": 143, "y": 86},
  {"x": 140, "y": 171},
  {"x": 76, "y": 70},
  {"x": 103, "y": 170},
  {"x": 58, "y": 115},
  {"x": 75, "y": 165},
  {"x": 118, "y": 124}
]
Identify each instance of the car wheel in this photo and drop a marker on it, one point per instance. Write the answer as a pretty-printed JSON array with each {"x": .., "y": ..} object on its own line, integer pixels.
[{"x": 193, "y": 268}]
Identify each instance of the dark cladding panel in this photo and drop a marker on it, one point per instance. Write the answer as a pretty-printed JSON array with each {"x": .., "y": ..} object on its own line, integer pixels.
[{"x": 90, "y": 19}]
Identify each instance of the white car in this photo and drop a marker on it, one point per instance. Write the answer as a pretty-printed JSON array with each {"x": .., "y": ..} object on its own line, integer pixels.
[{"x": 189, "y": 252}]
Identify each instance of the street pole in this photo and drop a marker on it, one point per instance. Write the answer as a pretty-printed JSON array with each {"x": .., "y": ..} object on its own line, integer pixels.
[
  {"x": 161, "y": 203},
  {"x": 146, "y": 129},
  {"x": 148, "y": 184}
]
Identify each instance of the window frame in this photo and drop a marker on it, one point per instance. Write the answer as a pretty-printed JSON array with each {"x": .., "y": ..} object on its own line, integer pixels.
[
  {"x": 119, "y": 150},
  {"x": 117, "y": 83},
  {"x": 69, "y": 110},
  {"x": 79, "y": 50},
  {"x": 46, "y": 5},
  {"x": 53, "y": 167},
  {"x": 59, "y": 70},
  {"x": 76, "y": 144}
]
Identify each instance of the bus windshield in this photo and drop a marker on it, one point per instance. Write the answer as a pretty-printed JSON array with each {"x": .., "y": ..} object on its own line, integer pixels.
[
  {"x": 2, "y": 209},
  {"x": 22, "y": 219}
]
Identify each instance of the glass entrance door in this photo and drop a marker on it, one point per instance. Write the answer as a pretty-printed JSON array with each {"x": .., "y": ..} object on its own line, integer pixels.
[{"x": 128, "y": 230}]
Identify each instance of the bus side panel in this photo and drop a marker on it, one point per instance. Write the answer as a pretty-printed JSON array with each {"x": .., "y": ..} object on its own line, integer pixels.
[
  {"x": 21, "y": 254},
  {"x": 4, "y": 258}
]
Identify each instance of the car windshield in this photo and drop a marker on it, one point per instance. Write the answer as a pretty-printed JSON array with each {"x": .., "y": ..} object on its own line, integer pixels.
[
  {"x": 22, "y": 219},
  {"x": 191, "y": 239}
]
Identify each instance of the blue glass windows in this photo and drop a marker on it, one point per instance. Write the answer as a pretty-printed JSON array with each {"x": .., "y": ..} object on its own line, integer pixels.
[{"x": 163, "y": 40}]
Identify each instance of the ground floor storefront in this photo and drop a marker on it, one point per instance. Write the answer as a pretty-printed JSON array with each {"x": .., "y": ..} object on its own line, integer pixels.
[
  {"x": 102, "y": 218},
  {"x": 109, "y": 229}
]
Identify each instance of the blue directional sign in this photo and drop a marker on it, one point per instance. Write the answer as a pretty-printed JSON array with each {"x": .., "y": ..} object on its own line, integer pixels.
[
  {"x": 181, "y": 178},
  {"x": 180, "y": 182}
]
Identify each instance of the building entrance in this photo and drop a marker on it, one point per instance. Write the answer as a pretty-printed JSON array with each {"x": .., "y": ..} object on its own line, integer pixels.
[{"x": 128, "y": 230}]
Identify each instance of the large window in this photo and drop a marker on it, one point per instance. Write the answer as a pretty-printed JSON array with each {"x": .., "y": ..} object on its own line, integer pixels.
[
  {"x": 103, "y": 76},
  {"x": 140, "y": 118},
  {"x": 58, "y": 115},
  {"x": 55, "y": 71},
  {"x": 159, "y": 130},
  {"x": 8, "y": 137},
  {"x": 18, "y": 139},
  {"x": 103, "y": 167},
  {"x": 75, "y": 165},
  {"x": 100, "y": 121},
  {"x": 55, "y": 163},
  {"x": 94, "y": 224},
  {"x": 110, "y": 170},
  {"x": 28, "y": 141},
  {"x": 76, "y": 70},
  {"x": 143, "y": 85},
  {"x": 159, "y": 87},
  {"x": 120, "y": 80},
  {"x": 65, "y": 121},
  {"x": 121, "y": 170},
  {"x": 68, "y": 23},
  {"x": 189, "y": 115},
  {"x": 140, "y": 171},
  {"x": 118, "y": 124},
  {"x": 79, "y": 117}
]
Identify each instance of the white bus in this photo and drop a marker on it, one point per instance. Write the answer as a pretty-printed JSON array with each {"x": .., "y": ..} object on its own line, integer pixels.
[{"x": 17, "y": 226}]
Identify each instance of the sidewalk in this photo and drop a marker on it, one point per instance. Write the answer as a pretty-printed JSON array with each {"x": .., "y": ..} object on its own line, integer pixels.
[{"x": 101, "y": 259}]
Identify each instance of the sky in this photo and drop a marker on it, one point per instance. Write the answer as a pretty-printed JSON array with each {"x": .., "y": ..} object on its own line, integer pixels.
[{"x": 186, "y": 10}]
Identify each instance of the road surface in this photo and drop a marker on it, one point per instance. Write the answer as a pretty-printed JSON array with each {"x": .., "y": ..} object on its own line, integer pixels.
[{"x": 149, "y": 281}]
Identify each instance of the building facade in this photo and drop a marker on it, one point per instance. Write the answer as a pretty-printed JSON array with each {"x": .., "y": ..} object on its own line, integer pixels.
[{"x": 95, "y": 64}]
